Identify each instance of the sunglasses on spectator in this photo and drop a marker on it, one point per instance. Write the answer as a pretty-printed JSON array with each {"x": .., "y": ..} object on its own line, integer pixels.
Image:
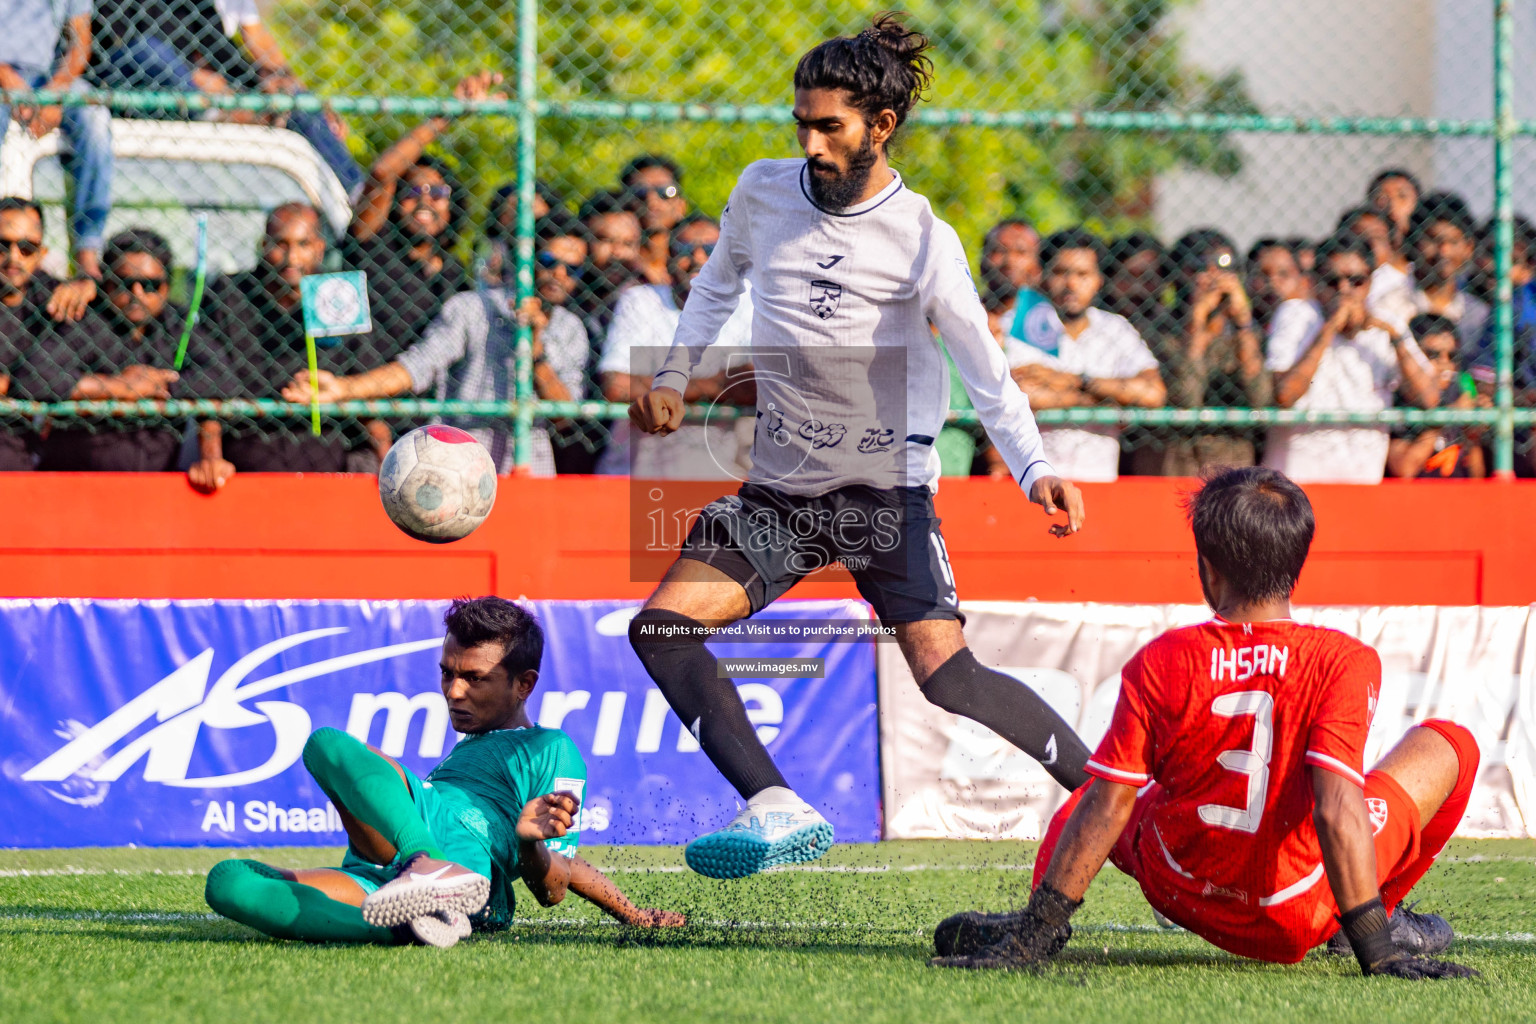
[
  {"x": 149, "y": 284},
  {"x": 25, "y": 246},
  {"x": 1355, "y": 280},
  {"x": 664, "y": 191},
  {"x": 549, "y": 261},
  {"x": 1448, "y": 352},
  {"x": 688, "y": 248},
  {"x": 426, "y": 192}
]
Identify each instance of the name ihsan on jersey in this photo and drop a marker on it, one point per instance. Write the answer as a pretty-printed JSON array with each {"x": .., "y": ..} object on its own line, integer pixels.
[{"x": 1246, "y": 662}]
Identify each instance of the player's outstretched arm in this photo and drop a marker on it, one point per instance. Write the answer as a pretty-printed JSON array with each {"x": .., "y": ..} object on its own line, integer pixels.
[
  {"x": 598, "y": 889},
  {"x": 1085, "y": 843},
  {"x": 546, "y": 873},
  {"x": 1054, "y": 494},
  {"x": 1349, "y": 856},
  {"x": 952, "y": 304},
  {"x": 1089, "y": 836},
  {"x": 659, "y": 411}
]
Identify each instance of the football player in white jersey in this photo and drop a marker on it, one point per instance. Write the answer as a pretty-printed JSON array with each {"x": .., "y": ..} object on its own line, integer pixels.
[{"x": 848, "y": 268}]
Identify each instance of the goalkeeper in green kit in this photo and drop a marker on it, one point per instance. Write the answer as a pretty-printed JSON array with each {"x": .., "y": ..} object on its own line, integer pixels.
[{"x": 430, "y": 860}]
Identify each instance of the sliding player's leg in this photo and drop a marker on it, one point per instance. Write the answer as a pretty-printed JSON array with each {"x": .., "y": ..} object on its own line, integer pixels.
[
  {"x": 382, "y": 806},
  {"x": 373, "y": 795},
  {"x": 1434, "y": 765},
  {"x": 319, "y": 905},
  {"x": 1416, "y": 796}
]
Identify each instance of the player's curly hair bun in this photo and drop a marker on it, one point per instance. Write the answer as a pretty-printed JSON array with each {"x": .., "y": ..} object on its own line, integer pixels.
[{"x": 884, "y": 67}]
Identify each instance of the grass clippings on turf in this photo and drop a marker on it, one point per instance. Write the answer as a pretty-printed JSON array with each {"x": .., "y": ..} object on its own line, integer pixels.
[{"x": 123, "y": 935}]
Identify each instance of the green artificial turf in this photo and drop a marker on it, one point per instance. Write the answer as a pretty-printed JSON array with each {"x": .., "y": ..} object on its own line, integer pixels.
[{"x": 123, "y": 935}]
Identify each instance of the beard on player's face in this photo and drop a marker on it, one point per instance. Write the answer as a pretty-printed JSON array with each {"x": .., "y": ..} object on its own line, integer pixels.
[{"x": 837, "y": 188}]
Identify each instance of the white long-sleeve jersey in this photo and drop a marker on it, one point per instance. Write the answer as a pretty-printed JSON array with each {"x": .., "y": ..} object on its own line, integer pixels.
[{"x": 852, "y": 387}]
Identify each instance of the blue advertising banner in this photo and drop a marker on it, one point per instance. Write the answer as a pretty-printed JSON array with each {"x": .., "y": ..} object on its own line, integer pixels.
[{"x": 180, "y": 723}]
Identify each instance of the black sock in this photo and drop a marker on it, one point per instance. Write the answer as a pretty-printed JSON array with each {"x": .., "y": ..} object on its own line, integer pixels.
[
  {"x": 964, "y": 686},
  {"x": 671, "y": 647}
]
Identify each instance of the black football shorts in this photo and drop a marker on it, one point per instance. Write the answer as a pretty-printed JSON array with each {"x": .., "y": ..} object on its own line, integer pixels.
[{"x": 887, "y": 539}]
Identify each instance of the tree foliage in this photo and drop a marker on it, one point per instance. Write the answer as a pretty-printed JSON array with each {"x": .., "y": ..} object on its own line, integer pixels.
[{"x": 1001, "y": 55}]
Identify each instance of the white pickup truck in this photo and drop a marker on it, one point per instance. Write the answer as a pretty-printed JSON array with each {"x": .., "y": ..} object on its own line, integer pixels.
[{"x": 166, "y": 172}]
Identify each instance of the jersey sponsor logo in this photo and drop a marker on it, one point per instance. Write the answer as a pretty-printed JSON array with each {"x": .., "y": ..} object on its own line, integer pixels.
[
  {"x": 825, "y": 297},
  {"x": 1212, "y": 889},
  {"x": 829, "y": 262},
  {"x": 577, "y": 788},
  {"x": 822, "y": 435},
  {"x": 776, "y": 429},
  {"x": 876, "y": 440},
  {"x": 1379, "y": 813}
]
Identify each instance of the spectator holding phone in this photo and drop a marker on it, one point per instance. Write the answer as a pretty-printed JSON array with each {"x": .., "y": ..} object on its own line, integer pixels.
[
  {"x": 1349, "y": 360},
  {"x": 1441, "y": 452},
  {"x": 1214, "y": 359}
]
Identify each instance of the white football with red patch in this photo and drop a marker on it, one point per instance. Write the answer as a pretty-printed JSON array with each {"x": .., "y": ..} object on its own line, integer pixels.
[{"x": 438, "y": 483}]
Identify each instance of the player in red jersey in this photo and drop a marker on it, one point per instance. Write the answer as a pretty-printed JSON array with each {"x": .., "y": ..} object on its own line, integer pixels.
[{"x": 1230, "y": 784}]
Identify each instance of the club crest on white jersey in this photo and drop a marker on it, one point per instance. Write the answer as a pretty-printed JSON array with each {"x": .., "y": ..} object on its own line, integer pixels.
[{"x": 825, "y": 296}]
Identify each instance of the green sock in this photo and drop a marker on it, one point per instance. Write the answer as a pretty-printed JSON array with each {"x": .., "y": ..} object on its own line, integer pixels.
[
  {"x": 255, "y": 894},
  {"x": 368, "y": 786}
]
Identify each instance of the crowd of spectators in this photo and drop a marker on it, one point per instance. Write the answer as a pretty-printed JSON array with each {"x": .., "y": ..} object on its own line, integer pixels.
[{"x": 1392, "y": 309}]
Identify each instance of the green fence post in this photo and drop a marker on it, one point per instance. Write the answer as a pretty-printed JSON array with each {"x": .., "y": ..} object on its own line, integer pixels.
[
  {"x": 527, "y": 123},
  {"x": 1503, "y": 235}
]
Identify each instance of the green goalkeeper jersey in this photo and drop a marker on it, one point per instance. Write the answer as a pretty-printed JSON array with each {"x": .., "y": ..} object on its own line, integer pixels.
[{"x": 482, "y": 786}]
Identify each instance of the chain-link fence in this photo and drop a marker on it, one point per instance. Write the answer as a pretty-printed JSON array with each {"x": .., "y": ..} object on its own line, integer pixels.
[{"x": 522, "y": 184}]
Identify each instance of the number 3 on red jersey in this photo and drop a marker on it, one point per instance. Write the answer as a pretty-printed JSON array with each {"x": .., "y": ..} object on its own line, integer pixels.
[{"x": 1253, "y": 762}]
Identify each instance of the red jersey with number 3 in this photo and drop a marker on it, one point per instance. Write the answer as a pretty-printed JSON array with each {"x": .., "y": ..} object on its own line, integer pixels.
[{"x": 1230, "y": 719}]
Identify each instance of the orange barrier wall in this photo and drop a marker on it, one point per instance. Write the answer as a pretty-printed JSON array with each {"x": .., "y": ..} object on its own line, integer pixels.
[{"x": 277, "y": 536}]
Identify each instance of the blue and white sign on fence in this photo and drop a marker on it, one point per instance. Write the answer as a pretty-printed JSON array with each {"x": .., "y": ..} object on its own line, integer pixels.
[{"x": 182, "y": 722}]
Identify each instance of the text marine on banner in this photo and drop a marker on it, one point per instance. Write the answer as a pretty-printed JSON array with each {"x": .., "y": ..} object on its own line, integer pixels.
[{"x": 182, "y": 723}]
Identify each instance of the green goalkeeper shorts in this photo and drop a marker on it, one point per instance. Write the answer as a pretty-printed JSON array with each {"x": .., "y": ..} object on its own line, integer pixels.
[{"x": 443, "y": 809}]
